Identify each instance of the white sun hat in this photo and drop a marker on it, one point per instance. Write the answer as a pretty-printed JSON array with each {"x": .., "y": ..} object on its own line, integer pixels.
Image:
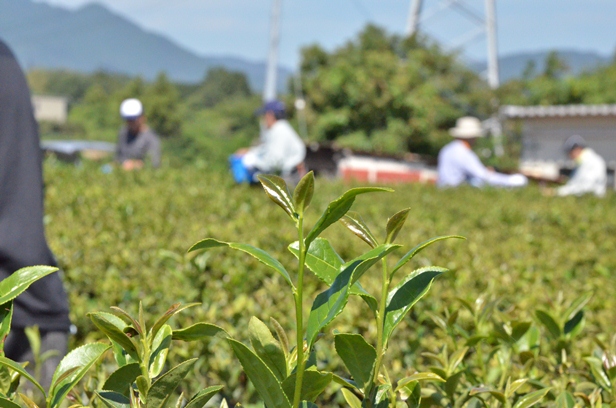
[
  {"x": 131, "y": 109},
  {"x": 467, "y": 127}
]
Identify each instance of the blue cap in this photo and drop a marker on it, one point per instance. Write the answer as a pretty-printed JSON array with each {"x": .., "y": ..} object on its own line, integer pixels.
[
  {"x": 273, "y": 106},
  {"x": 572, "y": 142}
]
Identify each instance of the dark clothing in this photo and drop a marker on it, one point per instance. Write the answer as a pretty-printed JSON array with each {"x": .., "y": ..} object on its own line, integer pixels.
[
  {"x": 22, "y": 236},
  {"x": 138, "y": 146}
]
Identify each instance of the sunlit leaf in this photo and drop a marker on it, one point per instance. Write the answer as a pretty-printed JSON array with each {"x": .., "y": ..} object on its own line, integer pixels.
[
  {"x": 16, "y": 283},
  {"x": 354, "y": 223},
  {"x": 337, "y": 208},
  {"x": 302, "y": 195},
  {"x": 160, "y": 349},
  {"x": 21, "y": 370},
  {"x": 395, "y": 224},
  {"x": 79, "y": 362},
  {"x": 350, "y": 398},
  {"x": 113, "y": 327},
  {"x": 276, "y": 189},
  {"x": 203, "y": 396},
  {"x": 532, "y": 398},
  {"x": 257, "y": 253},
  {"x": 549, "y": 323}
]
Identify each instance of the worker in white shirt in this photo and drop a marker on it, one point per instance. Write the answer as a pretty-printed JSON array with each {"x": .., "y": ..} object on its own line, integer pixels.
[
  {"x": 590, "y": 174},
  {"x": 458, "y": 164},
  {"x": 280, "y": 151}
]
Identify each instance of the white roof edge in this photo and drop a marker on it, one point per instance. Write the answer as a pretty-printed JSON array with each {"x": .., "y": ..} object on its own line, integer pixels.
[{"x": 514, "y": 111}]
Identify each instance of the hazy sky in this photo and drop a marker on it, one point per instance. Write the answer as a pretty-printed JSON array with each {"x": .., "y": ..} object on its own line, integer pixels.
[{"x": 240, "y": 27}]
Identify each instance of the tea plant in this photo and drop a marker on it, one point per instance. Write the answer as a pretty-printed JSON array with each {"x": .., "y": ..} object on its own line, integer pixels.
[
  {"x": 141, "y": 353},
  {"x": 69, "y": 372},
  {"x": 363, "y": 360},
  {"x": 280, "y": 373}
]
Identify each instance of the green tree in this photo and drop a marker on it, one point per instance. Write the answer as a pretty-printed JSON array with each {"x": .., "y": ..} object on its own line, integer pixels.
[
  {"x": 388, "y": 94},
  {"x": 161, "y": 104},
  {"x": 218, "y": 85}
]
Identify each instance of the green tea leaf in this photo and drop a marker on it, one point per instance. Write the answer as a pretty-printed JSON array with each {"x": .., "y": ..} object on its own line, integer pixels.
[
  {"x": 496, "y": 394},
  {"x": 358, "y": 356},
  {"x": 113, "y": 327},
  {"x": 21, "y": 370},
  {"x": 7, "y": 403},
  {"x": 414, "y": 398},
  {"x": 549, "y": 322},
  {"x": 160, "y": 349},
  {"x": 198, "y": 331},
  {"x": 16, "y": 283},
  {"x": 573, "y": 323},
  {"x": 351, "y": 398},
  {"x": 308, "y": 404},
  {"x": 172, "y": 311},
  {"x": 414, "y": 251},
  {"x": 6, "y": 314},
  {"x": 128, "y": 319},
  {"x": 122, "y": 378},
  {"x": 514, "y": 386},
  {"x": 326, "y": 264},
  {"x": 519, "y": 329},
  {"x": 532, "y": 398},
  {"x": 29, "y": 403},
  {"x": 395, "y": 224},
  {"x": 401, "y": 299},
  {"x": 596, "y": 368},
  {"x": 357, "y": 226},
  {"x": 577, "y": 305},
  {"x": 336, "y": 209},
  {"x": 565, "y": 400},
  {"x": 276, "y": 189},
  {"x": 79, "y": 362},
  {"x": 257, "y": 253},
  {"x": 203, "y": 396},
  {"x": 267, "y": 348},
  {"x": 113, "y": 399},
  {"x": 424, "y": 376},
  {"x": 282, "y": 336},
  {"x": 329, "y": 304},
  {"x": 265, "y": 382},
  {"x": 303, "y": 192},
  {"x": 313, "y": 385},
  {"x": 162, "y": 389}
]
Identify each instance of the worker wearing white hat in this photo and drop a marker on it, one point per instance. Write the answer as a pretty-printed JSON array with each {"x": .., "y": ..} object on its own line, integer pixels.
[
  {"x": 458, "y": 164},
  {"x": 136, "y": 140}
]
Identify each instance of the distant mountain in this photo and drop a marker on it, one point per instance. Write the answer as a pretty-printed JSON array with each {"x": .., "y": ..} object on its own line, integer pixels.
[
  {"x": 512, "y": 66},
  {"x": 93, "y": 38}
]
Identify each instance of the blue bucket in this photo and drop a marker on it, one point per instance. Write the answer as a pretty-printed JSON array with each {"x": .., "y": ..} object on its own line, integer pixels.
[{"x": 240, "y": 173}]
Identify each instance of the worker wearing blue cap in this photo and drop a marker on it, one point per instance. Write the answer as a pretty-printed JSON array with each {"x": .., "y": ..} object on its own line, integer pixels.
[{"x": 281, "y": 151}]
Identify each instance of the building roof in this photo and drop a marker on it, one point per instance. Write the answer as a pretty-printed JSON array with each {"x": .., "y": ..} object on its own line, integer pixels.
[{"x": 519, "y": 112}]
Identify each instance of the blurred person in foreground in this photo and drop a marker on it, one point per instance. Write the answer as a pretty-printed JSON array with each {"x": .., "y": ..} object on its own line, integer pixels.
[
  {"x": 281, "y": 151},
  {"x": 458, "y": 164},
  {"x": 590, "y": 174},
  {"x": 136, "y": 140},
  {"x": 22, "y": 235}
]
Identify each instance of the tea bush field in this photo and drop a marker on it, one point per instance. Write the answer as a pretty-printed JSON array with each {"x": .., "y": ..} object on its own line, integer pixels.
[{"x": 122, "y": 238}]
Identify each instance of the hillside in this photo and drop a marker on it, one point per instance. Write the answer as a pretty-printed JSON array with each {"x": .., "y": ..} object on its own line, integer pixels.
[
  {"x": 93, "y": 38},
  {"x": 513, "y": 65}
]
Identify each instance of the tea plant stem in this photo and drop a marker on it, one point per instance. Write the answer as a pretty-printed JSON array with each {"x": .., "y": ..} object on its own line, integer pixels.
[
  {"x": 380, "y": 323},
  {"x": 299, "y": 315}
]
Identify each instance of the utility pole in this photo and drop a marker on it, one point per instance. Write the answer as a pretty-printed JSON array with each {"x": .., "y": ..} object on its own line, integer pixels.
[
  {"x": 493, "y": 79},
  {"x": 413, "y": 21},
  {"x": 269, "y": 90}
]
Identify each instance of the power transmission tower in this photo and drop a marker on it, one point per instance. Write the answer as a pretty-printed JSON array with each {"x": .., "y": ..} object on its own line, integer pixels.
[
  {"x": 483, "y": 25},
  {"x": 269, "y": 90}
]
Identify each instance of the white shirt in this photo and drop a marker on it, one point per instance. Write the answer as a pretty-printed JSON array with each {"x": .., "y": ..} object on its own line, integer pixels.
[
  {"x": 589, "y": 177},
  {"x": 458, "y": 164},
  {"x": 281, "y": 149}
]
